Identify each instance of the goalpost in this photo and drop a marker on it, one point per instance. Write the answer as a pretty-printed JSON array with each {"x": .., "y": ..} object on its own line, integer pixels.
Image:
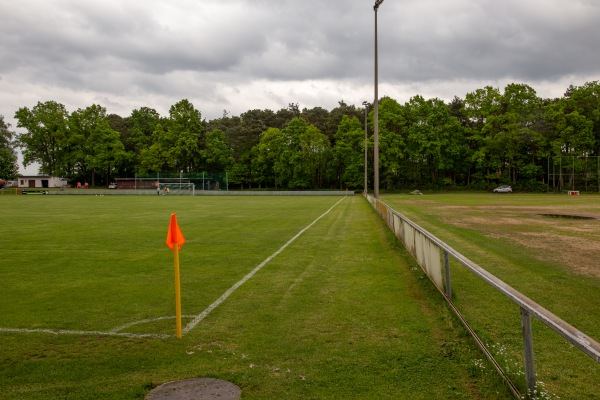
[
  {"x": 177, "y": 188},
  {"x": 9, "y": 190},
  {"x": 574, "y": 173},
  {"x": 176, "y": 182}
]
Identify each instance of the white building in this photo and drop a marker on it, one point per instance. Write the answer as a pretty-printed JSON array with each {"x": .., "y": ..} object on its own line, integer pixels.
[{"x": 41, "y": 181}]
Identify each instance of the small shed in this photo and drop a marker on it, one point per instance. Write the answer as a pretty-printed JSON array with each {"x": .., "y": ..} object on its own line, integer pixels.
[{"x": 41, "y": 181}]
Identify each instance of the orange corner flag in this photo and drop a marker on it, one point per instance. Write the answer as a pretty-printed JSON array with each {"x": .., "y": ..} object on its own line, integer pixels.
[{"x": 174, "y": 235}]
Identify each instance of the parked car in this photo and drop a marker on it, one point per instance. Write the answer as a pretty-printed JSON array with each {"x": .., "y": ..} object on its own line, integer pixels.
[
  {"x": 503, "y": 189},
  {"x": 112, "y": 186}
]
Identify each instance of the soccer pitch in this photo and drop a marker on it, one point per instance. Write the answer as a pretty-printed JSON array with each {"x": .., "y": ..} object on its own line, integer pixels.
[
  {"x": 335, "y": 310},
  {"x": 101, "y": 262}
]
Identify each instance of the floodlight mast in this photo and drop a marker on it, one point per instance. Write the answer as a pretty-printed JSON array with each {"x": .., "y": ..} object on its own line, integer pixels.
[{"x": 376, "y": 115}]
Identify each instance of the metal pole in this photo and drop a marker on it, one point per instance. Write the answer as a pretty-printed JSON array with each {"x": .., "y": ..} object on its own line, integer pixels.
[
  {"x": 528, "y": 351},
  {"x": 376, "y": 115},
  {"x": 573, "y": 175},
  {"x": 548, "y": 165},
  {"x": 447, "y": 269},
  {"x": 366, "y": 120}
]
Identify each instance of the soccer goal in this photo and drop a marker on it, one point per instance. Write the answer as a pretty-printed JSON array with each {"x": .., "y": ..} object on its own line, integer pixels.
[
  {"x": 179, "y": 188},
  {"x": 9, "y": 191}
]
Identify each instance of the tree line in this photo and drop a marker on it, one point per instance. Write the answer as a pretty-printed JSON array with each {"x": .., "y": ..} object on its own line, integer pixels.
[{"x": 489, "y": 137}]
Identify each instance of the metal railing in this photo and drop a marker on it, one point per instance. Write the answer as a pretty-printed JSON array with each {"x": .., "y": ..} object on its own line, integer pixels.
[{"x": 427, "y": 250}]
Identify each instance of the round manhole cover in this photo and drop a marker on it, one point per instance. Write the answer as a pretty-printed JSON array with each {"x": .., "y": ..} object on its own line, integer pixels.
[{"x": 196, "y": 389}]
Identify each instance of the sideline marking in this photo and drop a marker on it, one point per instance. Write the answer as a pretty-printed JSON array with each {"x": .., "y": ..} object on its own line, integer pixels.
[
  {"x": 71, "y": 332},
  {"x": 143, "y": 321},
  {"x": 113, "y": 332},
  {"x": 232, "y": 289}
]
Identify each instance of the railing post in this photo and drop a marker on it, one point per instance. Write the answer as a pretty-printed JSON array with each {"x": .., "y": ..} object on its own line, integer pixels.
[
  {"x": 528, "y": 351},
  {"x": 447, "y": 268}
]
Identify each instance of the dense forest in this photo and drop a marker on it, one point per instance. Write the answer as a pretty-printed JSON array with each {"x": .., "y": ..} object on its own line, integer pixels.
[{"x": 487, "y": 138}]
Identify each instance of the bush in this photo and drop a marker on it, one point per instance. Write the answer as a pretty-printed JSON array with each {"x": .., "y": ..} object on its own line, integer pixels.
[{"x": 533, "y": 186}]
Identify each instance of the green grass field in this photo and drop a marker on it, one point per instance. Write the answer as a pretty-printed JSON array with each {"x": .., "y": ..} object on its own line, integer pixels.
[
  {"x": 341, "y": 313},
  {"x": 554, "y": 261}
]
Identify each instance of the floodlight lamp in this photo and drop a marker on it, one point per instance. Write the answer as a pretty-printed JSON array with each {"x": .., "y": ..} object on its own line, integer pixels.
[{"x": 377, "y": 4}]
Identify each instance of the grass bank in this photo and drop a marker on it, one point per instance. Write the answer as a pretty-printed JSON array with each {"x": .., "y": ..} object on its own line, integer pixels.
[{"x": 554, "y": 261}]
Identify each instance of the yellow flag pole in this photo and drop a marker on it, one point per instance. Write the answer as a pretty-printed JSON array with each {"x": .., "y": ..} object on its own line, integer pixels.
[{"x": 177, "y": 292}]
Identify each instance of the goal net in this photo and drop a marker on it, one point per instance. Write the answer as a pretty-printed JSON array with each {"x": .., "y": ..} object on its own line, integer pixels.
[{"x": 171, "y": 188}]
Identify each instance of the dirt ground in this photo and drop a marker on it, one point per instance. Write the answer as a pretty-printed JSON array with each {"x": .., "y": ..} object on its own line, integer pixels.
[{"x": 569, "y": 235}]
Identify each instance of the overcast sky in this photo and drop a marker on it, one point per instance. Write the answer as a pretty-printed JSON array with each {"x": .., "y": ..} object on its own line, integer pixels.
[{"x": 237, "y": 55}]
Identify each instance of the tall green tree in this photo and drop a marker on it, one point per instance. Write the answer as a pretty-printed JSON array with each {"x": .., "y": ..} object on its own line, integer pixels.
[
  {"x": 266, "y": 155},
  {"x": 392, "y": 143},
  {"x": 159, "y": 156},
  {"x": 185, "y": 127},
  {"x": 95, "y": 147},
  {"x": 462, "y": 166},
  {"x": 336, "y": 115},
  {"x": 572, "y": 132},
  {"x": 518, "y": 138},
  {"x": 319, "y": 117},
  {"x": 301, "y": 162},
  {"x": 348, "y": 153},
  {"x": 585, "y": 100},
  {"x": 217, "y": 155},
  {"x": 289, "y": 166},
  {"x": 140, "y": 126},
  {"x": 314, "y": 151},
  {"x": 242, "y": 142},
  {"x": 483, "y": 109},
  {"x": 44, "y": 139},
  {"x": 434, "y": 140},
  {"x": 8, "y": 157}
]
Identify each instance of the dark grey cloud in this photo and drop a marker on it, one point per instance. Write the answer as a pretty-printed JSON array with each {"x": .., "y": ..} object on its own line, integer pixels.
[
  {"x": 532, "y": 40},
  {"x": 241, "y": 54}
]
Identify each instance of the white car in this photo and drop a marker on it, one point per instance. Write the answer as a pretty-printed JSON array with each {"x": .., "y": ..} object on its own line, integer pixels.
[{"x": 503, "y": 189}]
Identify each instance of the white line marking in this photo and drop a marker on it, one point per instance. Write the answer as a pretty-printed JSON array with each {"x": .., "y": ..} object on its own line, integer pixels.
[
  {"x": 71, "y": 332},
  {"x": 143, "y": 321},
  {"x": 232, "y": 289}
]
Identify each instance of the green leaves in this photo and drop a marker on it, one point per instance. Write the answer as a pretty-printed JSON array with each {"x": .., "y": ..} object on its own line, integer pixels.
[
  {"x": 46, "y": 132},
  {"x": 348, "y": 153},
  {"x": 492, "y": 136},
  {"x": 8, "y": 159},
  {"x": 216, "y": 153}
]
